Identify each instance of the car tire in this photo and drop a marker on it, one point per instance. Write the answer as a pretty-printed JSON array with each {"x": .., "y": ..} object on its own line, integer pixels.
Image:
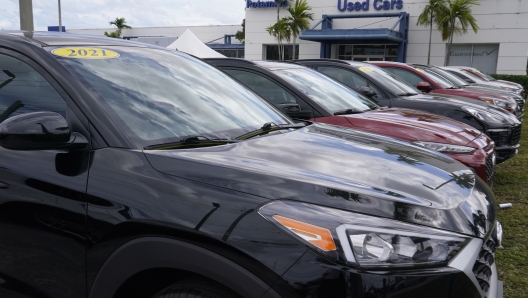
[{"x": 196, "y": 288}]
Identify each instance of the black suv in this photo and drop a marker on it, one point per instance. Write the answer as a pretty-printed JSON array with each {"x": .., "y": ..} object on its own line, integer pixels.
[{"x": 134, "y": 171}]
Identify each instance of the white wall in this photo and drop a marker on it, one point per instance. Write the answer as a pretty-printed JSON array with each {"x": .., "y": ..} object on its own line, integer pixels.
[{"x": 500, "y": 21}]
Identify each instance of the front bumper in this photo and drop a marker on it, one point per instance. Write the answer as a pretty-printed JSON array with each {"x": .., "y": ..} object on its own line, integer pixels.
[
  {"x": 305, "y": 280},
  {"x": 507, "y": 141},
  {"x": 314, "y": 276}
]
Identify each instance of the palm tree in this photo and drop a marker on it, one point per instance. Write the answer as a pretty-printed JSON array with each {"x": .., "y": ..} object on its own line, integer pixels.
[
  {"x": 299, "y": 19},
  {"x": 111, "y": 34},
  {"x": 120, "y": 23},
  {"x": 457, "y": 20},
  {"x": 281, "y": 31},
  {"x": 434, "y": 10}
]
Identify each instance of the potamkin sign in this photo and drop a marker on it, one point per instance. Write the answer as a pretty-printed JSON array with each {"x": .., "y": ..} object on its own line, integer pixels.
[
  {"x": 344, "y": 5},
  {"x": 264, "y": 4}
]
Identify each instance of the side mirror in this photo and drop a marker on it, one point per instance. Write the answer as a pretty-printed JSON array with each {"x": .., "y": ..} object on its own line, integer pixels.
[
  {"x": 294, "y": 111},
  {"x": 367, "y": 91},
  {"x": 424, "y": 87},
  {"x": 469, "y": 81},
  {"x": 39, "y": 131}
]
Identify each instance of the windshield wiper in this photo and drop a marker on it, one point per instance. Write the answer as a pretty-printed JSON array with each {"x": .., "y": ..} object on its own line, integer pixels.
[
  {"x": 269, "y": 127},
  {"x": 191, "y": 142},
  {"x": 348, "y": 112}
]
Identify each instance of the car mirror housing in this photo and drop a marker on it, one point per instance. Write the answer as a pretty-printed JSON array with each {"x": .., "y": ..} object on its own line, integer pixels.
[
  {"x": 424, "y": 87},
  {"x": 35, "y": 131},
  {"x": 367, "y": 91},
  {"x": 294, "y": 111}
]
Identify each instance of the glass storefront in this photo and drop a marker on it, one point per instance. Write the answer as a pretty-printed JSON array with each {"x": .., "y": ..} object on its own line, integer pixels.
[
  {"x": 367, "y": 52},
  {"x": 232, "y": 53},
  {"x": 272, "y": 52}
]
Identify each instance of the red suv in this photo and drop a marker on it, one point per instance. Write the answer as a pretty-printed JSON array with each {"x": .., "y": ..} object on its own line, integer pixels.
[{"x": 430, "y": 82}]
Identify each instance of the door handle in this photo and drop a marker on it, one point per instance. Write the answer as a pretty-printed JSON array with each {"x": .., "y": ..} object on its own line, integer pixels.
[{"x": 3, "y": 185}]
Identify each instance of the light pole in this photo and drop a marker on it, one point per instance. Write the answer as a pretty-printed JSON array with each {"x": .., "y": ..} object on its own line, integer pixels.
[
  {"x": 60, "y": 20},
  {"x": 26, "y": 14}
]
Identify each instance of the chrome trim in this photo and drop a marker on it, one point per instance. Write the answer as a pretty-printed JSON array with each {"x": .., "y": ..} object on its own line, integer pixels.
[
  {"x": 493, "y": 290},
  {"x": 465, "y": 261}
]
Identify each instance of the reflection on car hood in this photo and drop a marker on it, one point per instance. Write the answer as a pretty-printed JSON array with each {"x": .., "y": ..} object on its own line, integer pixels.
[
  {"x": 414, "y": 125},
  {"x": 341, "y": 168},
  {"x": 458, "y": 101}
]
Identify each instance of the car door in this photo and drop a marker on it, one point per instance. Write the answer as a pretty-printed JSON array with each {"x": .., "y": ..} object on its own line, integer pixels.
[
  {"x": 354, "y": 81},
  {"x": 42, "y": 201},
  {"x": 274, "y": 93}
]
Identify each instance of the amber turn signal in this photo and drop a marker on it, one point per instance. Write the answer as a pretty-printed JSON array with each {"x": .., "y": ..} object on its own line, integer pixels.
[{"x": 320, "y": 237}]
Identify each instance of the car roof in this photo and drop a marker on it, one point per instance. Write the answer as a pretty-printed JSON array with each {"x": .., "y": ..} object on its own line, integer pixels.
[
  {"x": 272, "y": 65},
  {"x": 46, "y": 38}
]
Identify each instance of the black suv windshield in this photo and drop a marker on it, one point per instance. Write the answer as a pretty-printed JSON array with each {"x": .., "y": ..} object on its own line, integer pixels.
[
  {"x": 392, "y": 82},
  {"x": 458, "y": 82},
  {"x": 437, "y": 78},
  {"x": 325, "y": 91},
  {"x": 162, "y": 96}
]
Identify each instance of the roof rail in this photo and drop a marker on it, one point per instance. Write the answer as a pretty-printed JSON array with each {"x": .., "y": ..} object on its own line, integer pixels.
[
  {"x": 229, "y": 58},
  {"x": 320, "y": 59}
]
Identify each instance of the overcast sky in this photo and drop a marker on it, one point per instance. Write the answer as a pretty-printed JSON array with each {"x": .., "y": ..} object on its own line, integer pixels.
[{"x": 85, "y": 14}]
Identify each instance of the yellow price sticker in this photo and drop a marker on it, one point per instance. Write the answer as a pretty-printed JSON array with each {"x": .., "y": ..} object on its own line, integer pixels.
[
  {"x": 366, "y": 69},
  {"x": 85, "y": 53},
  {"x": 420, "y": 69}
]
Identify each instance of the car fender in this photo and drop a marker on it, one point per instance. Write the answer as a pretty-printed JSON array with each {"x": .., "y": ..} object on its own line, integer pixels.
[{"x": 157, "y": 252}]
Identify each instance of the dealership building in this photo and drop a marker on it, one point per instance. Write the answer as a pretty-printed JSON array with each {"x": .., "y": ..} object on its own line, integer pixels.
[{"x": 371, "y": 30}]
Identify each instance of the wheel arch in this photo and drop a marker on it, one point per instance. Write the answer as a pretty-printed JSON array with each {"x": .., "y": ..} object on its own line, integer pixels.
[{"x": 148, "y": 253}]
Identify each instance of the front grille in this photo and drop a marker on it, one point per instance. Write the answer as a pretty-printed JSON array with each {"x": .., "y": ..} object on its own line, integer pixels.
[
  {"x": 499, "y": 137},
  {"x": 482, "y": 267},
  {"x": 515, "y": 135},
  {"x": 490, "y": 167}
]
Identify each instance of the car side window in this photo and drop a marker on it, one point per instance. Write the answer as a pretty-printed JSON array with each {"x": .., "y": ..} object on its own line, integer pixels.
[
  {"x": 406, "y": 75},
  {"x": 349, "y": 78},
  {"x": 263, "y": 86},
  {"x": 24, "y": 90}
]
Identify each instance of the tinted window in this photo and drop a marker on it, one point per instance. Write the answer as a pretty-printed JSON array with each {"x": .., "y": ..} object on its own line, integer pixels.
[
  {"x": 325, "y": 91},
  {"x": 407, "y": 76},
  {"x": 162, "y": 96},
  {"x": 24, "y": 90},
  {"x": 349, "y": 78},
  {"x": 461, "y": 76},
  {"x": 263, "y": 86}
]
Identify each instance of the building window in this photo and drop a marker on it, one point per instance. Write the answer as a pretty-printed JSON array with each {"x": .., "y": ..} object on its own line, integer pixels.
[
  {"x": 368, "y": 52},
  {"x": 232, "y": 53},
  {"x": 272, "y": 52},
  {"x": 481, "y": 56}
]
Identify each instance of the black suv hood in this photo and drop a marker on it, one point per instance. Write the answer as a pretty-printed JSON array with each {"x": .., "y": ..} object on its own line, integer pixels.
[
  {"x": 457, "y": 102},
  {"x": 346, "y": 169}
]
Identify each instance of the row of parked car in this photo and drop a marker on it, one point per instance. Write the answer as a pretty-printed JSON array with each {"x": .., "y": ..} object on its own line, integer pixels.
[
  {"x": 128, "y": 170},
  {"x": 474, "y": 124}
]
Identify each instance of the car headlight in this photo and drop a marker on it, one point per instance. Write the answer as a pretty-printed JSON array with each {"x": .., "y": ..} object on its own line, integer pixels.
[
  {"x": 499, "y": 102},
  {"x": 362, "y": 240},
  {"x": 485, "y": 116},
  {"x": 445, "y": 148}
]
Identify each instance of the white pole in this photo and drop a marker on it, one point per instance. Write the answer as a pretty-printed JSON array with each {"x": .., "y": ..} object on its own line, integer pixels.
[
  {"x": 26, "y": 14},
  {"x": 60, "y": 20}
]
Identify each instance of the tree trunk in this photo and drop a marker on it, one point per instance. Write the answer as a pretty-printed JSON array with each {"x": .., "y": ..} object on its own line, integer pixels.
[
  {"x": 450, "y": 43},
  {"x": 294, "y": 40},
  {"x": 430, "y": 36}
]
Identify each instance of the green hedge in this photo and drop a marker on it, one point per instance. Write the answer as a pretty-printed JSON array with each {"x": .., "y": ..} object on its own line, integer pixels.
[{"x": 520, "y": 79}]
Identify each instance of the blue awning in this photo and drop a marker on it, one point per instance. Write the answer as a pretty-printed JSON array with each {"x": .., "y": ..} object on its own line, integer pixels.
[{"x": 352, "y": 35}]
